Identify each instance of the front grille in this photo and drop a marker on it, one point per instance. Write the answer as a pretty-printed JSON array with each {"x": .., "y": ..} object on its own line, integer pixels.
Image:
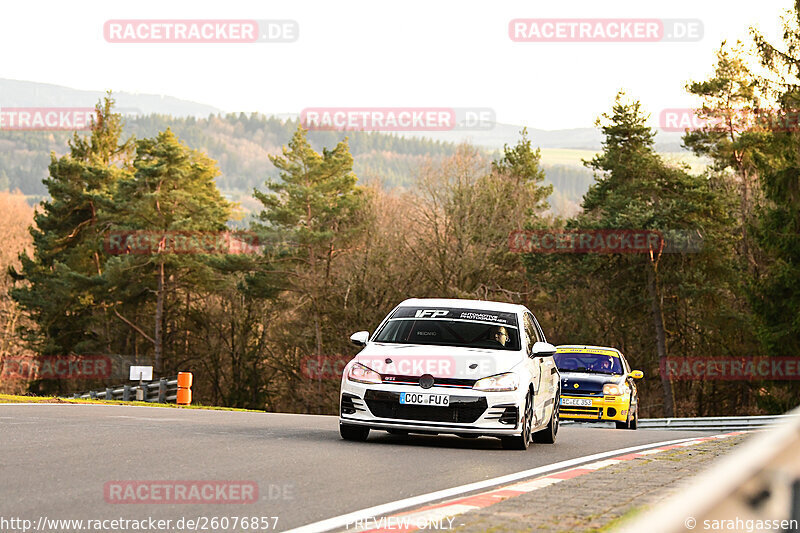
[
  {"x": 578, "y": 410},
  {"x": 578, "y": 392},
  {"x": 462, "y": 409},
  {"x": 437, "y": 382}
]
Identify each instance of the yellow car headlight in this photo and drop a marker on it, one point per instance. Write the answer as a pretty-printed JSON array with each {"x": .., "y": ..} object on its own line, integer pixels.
[{"x": 612, "y": 389}]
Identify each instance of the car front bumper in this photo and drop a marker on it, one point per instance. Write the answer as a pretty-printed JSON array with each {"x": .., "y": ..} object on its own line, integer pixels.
[
  {"x": 469, "y": 412},
  {"x": 613, "y": 408}
]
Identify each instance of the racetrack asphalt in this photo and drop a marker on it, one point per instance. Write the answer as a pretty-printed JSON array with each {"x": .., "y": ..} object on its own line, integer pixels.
[{"x": 55, "y": 460}]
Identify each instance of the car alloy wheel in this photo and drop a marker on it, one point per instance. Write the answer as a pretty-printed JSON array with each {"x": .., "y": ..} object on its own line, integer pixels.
[
  {"x": 548, "y": 434},
  {"x": 521, "y": 442}
]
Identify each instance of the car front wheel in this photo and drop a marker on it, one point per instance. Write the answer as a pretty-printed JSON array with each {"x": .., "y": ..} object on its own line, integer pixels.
[
  {"x": 548, "y": 434},
  {"x": 633, "y": 419},
  {"x": 634, "y": 423},
  {"x": 521, "y": 442}
]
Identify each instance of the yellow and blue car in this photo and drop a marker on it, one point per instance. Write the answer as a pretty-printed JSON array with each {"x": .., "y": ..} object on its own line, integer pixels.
[{"x": 597, "y": 384}]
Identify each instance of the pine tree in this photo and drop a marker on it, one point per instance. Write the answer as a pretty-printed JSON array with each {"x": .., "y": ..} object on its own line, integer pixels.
[
  {"x": 171, "y": 192},
  {"x": 636, "y": 190},
  {"x": 776, "y": 295},
  {"x": 315, "y": 206},
  {"x": 67, "y": 238},
  {"x": 731, "y": 107}
]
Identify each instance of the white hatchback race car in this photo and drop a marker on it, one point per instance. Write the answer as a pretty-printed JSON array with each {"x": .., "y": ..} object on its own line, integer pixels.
[{"x": 465, "y": 367}]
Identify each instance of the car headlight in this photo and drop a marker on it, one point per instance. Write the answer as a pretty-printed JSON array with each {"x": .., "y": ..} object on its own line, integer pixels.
[
  {"x": 500, "y": 382},
  {"x": 363, "y": 374},
  {"x": 612, "y": 389}
]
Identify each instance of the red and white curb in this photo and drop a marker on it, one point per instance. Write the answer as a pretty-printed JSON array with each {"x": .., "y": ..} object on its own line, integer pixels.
[{"x": 440, "y": 516}]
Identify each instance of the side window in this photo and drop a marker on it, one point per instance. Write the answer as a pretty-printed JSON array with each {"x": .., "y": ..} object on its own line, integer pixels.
[
  {"x": 531, "y": 335},
  {"x": 539, "y": 329},
  {"x": 527, "y": 332}
]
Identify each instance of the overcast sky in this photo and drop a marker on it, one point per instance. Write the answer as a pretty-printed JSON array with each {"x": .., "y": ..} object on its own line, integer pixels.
[{"x": 378, "y": 53}]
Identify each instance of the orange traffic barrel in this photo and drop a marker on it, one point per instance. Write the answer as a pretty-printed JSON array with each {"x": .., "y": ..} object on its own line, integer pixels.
[
  {"x": 184, "y": 396},
  {"x": 184, "y": 380}
]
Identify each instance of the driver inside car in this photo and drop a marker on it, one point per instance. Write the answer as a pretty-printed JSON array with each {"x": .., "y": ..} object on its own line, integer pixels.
[
  {"x": 605, "y": 366},
  {"x": 500, "y": 334}
]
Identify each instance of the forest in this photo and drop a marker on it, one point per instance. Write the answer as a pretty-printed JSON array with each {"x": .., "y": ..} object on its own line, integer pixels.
[{"x": 339, "y": 249}]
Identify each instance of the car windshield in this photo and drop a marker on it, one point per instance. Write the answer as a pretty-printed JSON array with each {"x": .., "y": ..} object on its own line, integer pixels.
[
  {"x": 451, "y": 327},
  {"x": 588, "y": 362}
]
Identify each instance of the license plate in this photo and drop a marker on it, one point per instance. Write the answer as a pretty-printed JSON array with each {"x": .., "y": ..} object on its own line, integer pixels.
[
  {"x": 423, "y": 398},
  {"x": 583, "y": 402}
]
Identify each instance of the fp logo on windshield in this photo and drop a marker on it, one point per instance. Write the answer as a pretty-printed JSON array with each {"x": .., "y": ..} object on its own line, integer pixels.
[{"x": 433, "y": 313}]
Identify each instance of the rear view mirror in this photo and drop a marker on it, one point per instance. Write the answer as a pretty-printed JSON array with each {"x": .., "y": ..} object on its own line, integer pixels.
[
  {"x": 360, "y": 338},
  {"x": 543, "y": 349},
  {"x": 637, "y": 374}
]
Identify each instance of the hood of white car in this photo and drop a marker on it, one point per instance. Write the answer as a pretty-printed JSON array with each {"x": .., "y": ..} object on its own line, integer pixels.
[{"x": 438, "y": 361}]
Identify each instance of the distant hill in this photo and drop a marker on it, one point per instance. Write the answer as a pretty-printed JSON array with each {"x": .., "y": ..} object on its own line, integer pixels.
[
  {"x": 241, "y": 143},
  {"x": 14, "y": 93}
]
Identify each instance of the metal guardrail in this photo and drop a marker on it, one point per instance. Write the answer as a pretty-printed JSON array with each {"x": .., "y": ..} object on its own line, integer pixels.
[
  {"x": 162, "y": 391},
  {"x": 706, "y": 423},
  {"x": 755, "y": 488},
  {"x": 728, "y": 423}
]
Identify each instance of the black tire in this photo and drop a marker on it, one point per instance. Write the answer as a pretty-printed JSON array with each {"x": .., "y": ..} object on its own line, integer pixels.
[
  {"x": 548, "y": 434},
  {"x": 633, "y": 419},
  {"x": 634, "y": 423},
  {"x": 521, "y": 442},
  {"x": 355, "y": 433}
]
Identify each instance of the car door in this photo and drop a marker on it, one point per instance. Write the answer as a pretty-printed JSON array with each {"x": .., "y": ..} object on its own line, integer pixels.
[
  {"x": 541, "y": 385},
  {"x": 551, "y": 380},
  {"x": 531, "y": 363},
  {"x": 631, "y": 383}
]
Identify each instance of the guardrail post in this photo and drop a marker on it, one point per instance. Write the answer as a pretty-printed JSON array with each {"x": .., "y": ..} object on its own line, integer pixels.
[
  {"x": 126, "y": 393},
  {"x": 93, "y": 395},
  {"x": 109, "y": 393},
  {"x": 141, "y": 393},
  {"x": 162, "y": 390}
]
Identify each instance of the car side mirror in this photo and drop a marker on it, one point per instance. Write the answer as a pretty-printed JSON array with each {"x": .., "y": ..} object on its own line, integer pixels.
[
  {"x": 360, "y": 338},
  {"x": 542, "y": 349},
  {"x": 637, "y": 374}
]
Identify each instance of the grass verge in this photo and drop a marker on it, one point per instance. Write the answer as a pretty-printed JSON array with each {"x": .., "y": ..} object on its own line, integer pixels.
[{"x": 12, "y": 398}]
